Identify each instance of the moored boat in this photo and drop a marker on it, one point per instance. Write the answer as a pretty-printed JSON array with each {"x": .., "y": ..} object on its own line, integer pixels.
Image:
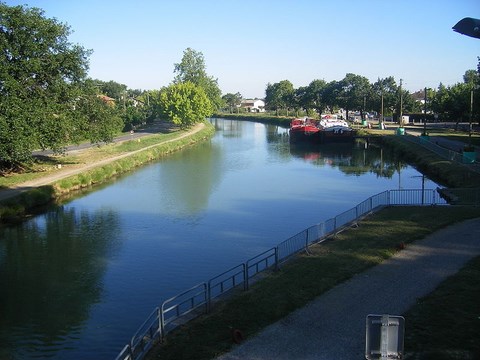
[
  {"x": 304, "y": 130},
  {"x": 335, "y": 130},
  {"x": 328, "y": 129}
]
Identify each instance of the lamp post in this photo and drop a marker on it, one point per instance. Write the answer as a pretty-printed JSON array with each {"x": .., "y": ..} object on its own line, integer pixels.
[
  {"x": 425, "y": 113},
  {"x": 401, "y": 104},
  {"x": 381, "y": 115},
  {"x": 471, "y": 117}
]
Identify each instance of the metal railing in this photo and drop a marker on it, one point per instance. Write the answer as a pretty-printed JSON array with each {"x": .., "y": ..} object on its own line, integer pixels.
[{"x": 198, "y": 299}]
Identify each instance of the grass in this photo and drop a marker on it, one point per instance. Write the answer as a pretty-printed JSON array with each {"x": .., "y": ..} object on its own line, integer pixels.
[
  {"x": 446, "y": 323},
  {"x": 307, "y": 277},
  {"x": 441, "y": 170}
]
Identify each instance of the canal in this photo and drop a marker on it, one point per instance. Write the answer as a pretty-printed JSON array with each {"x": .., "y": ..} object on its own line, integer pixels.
[{"x": 78, "y": 280}]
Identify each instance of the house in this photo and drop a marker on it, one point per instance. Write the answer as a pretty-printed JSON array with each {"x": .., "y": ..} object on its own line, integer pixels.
[
  {"x": 253, "y": 105},
  {"x": 107, "y": 100}
]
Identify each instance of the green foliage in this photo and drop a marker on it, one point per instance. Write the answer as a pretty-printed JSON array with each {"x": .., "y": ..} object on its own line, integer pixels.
[
  {"x": 112, "y": 89},
  {"x": 192, "y": 69},
  {"x": 279, "y": 95},
  {"x": 94, "y": 118},
  {"x": 185, "y": 104},
  {"x": 40, "y": 74},
  {"x": 232, "y": 100}
]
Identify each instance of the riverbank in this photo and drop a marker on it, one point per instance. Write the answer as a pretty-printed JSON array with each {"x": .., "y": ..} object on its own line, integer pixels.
[{"x": 79, "y": 169}]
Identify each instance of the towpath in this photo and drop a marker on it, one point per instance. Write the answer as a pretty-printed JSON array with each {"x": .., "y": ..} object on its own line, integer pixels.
[
  {"x": 79, "y": 168},
  {"x": 333, "y": 326}
]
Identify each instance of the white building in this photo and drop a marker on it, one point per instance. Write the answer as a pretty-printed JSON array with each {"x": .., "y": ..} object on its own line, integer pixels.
[{"x": 253, "y": 105}]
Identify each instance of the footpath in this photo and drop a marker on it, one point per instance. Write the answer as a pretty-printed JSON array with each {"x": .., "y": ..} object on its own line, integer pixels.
[
  {"x": 65, "y": 172},
  {"x": 334, "y": 325}
]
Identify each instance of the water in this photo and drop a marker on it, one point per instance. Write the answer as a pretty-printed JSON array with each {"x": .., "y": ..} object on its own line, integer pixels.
[{"x": 78, "y": 281}]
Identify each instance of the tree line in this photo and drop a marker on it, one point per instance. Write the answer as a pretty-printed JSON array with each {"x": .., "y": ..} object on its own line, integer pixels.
[{"x": 459, "y": 102}]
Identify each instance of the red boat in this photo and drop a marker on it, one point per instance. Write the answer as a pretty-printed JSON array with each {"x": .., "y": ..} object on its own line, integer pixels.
[{"x": 304, "y": 130}]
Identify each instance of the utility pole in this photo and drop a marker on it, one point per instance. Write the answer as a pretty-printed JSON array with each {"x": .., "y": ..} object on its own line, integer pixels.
[
  {"x": 471, "y": 117},
  {"x": 381, "y": 115},
  {"x": 401, "y": 104},
  {"x": 425, "y": 113}
]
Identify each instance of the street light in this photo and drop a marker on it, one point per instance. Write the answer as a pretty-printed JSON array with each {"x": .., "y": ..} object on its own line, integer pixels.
[
  {"x": 468, "y": 26},
  {"x": 425, "y": 112}
]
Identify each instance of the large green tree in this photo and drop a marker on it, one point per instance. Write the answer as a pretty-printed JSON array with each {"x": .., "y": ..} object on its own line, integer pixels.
[
  {"x": 185, "y": 104},
  {"x": 354, "y": 91},
  {"x": 316, "y": 95},
  {"x": 192, "y": 69},
  {"x": 280, "y": 95},
  {"x": 384, "y": 95},
  {"x": 232, "y": 100},
  {"x": 42, "y": 87}
]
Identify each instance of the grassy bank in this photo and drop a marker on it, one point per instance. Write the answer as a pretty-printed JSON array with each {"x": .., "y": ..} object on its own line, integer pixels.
[
  {"x": 135, "y": 153},
  {"x": 447, "y": 172},
  {"x": 261, "y": 118},
  {"x": 140, "y": 152},
  {"x": 307, "y": 277}
]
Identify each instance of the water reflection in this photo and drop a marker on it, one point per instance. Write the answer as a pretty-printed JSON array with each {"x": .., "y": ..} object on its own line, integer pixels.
[
  {"x": 50, "y": 274},
  {"x": 188, "y": 179},
  {"x": 357, "y": 160}
]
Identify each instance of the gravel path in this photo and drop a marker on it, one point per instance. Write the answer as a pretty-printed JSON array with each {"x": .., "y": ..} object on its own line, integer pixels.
[{"x": 333, "y": 325}]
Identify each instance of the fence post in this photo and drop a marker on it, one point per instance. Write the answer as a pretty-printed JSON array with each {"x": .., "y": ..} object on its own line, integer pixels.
[
  {"x": 276, "y": 258},
  {"x": 246, "y": 276},
  {"x": 160, "y": 329},
  {"x": 306, "y": 242},
  {"x": 162, "y": 324},
  {"x": 209, "y": 296}
]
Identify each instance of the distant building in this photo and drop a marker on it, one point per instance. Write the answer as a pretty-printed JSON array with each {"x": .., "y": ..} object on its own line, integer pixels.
[
  {"x": 253, "y": 105},
  {"x": 107, "y": 100}
]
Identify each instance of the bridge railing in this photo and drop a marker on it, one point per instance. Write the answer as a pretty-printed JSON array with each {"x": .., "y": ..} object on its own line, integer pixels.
[{"x": 198, "y": 299}]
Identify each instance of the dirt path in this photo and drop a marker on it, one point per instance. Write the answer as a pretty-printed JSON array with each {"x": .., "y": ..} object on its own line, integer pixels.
[{"x": 79, "y": 168}]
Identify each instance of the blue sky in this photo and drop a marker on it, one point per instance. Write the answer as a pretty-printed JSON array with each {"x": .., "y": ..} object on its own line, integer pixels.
[{"x": 250, "y": 43}]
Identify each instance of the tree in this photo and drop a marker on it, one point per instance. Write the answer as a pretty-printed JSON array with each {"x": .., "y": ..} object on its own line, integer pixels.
[
  {"x": 112, "y": 89},
  {"x": 300, "y": 99},
  {"x": 185, "y": 104},
  {"x": 279, "y": 95},
  {"x": 331, "y": 93},
  {"x": 232, "y": 100},
  {"x": 354, "y": 90},
  {"x": 316, "y": 95},
  {"x": 45, "y": 99},
  {"x": 385, "y": 89},
  {"x": 94, "y": 117},
  {"x": 192, "y": 69}
]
